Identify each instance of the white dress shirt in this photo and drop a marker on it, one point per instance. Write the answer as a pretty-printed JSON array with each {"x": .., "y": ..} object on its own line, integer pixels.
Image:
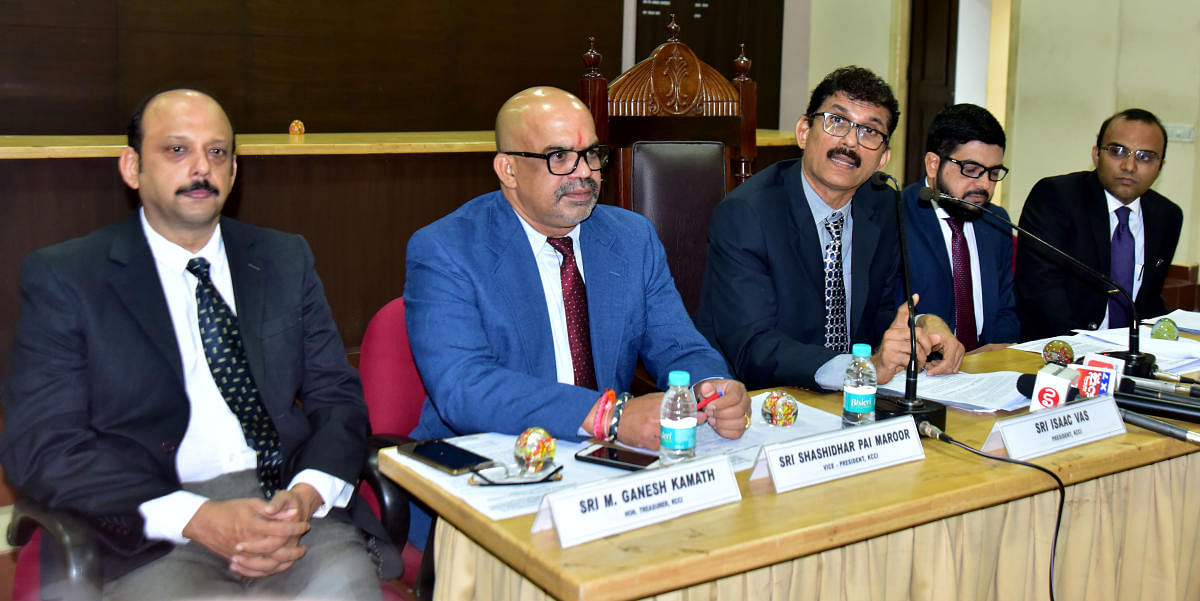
[
  {"x": 1139, "y": 245},
  {"x": 549, "y": 262},
  {"x": 213, "y": 443}
]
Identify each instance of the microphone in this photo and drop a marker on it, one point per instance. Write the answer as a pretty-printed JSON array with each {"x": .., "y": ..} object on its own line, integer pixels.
[
  {"x": 885, "y": 407},
  {"x": 1133, "y": 401},
  {"x": 1157, "y": 425},
  {"x": 1137, "y": 363},
  {"x": 929, "y": 430},
  {"x": 1183, "y": 390},
  {"x": 1131, "y": 387},
  {"x": 1167, "y": 376}
]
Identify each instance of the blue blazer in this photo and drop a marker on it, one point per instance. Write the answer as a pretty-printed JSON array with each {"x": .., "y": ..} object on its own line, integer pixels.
[
  {"x": 929, "y": 266},
  {"x": 480, "y": 332}
]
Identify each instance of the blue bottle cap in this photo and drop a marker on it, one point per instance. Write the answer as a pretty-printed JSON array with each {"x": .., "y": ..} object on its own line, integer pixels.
[
  {"x": 861, "y": 350},
  {"x": 679, "y": 378}
]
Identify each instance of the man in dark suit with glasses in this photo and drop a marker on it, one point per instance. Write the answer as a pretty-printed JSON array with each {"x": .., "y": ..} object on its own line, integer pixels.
[
  {"x": 1108, "y": 218},
  {"x": 961, "y": 259},
  {"x": 803, "y": 257}
]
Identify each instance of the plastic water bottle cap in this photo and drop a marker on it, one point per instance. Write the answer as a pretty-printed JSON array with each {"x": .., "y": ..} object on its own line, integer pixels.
[
  {"x": 679, "y": 378},
  {"x": 861, "y": 350}
]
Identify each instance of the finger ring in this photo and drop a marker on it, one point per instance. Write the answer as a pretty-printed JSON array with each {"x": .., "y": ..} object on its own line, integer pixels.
[{"x": 747, "y": 422}]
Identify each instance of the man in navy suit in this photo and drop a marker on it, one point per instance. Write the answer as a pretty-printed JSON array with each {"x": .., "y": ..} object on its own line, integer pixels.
[
  {"x": 1084, "y": 213},
  {"x": 489, "y": 317},
  {"x": 961, "y": 259},
  {"x": 783, "y": 298},
  {"x": 195, "y": 480}
]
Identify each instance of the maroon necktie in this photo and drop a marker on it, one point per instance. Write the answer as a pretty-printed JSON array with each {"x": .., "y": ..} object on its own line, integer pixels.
[
  {"x": 964, "y": 300},
  {"x": 575, "y": 302}
]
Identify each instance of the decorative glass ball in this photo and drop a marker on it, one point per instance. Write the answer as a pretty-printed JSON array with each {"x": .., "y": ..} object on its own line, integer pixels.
[
  {"x": 1165, "y": 329},
  {"x": 534, "y": 450},
  {"x": 1058, "y": 351},
  {"x": 779, "y": 408},
  {"x": 296, "y": 128}
]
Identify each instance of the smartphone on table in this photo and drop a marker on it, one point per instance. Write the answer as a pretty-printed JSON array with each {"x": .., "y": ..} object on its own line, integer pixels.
[
  {"x": 445, "y": 456},
  {"x": 613, "y": 455}
]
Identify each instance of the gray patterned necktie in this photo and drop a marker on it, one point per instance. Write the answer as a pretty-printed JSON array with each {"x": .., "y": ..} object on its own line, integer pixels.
[
  {"x": 223, "y": 349},
  {"x": 835, "y": 287}
]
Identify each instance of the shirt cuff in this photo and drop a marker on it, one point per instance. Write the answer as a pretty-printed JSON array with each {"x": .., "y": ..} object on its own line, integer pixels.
[
  {"x": 329, "y": 487},
  {"x": 830, "y": 375},
  {"x": 166, "y": 516}
]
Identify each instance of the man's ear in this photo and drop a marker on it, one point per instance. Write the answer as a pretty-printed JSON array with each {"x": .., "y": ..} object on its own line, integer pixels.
[
  {"x": 932, "y": 162},
  {"x": 802, "y": 127},
  {"x": 130, "y": 166},
  {"x": 1095, "y": 157},
  {"x": 502, "y": 164}
]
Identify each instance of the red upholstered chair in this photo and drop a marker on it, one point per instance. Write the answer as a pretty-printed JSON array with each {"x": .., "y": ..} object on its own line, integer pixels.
[
  {"x": 394, "y": 395},
  {"x": 682, "y": 136}
]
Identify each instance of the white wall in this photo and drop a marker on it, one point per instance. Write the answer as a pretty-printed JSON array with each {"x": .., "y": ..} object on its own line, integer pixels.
[
  {"x": 1072, "y": 63},
  {"x": 971, "y": 51}
]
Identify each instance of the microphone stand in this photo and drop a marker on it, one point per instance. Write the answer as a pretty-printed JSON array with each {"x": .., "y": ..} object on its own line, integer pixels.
[
  {"x": 888, "y": 407},
  {"x": 1137, "y": 363}
]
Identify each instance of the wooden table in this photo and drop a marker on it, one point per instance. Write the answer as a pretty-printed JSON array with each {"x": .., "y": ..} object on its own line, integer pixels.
[{"x": 953, "y": 526}]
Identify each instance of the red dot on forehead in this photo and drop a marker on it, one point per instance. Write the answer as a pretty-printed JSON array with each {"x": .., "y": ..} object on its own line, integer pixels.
[{"x": 578, "y": 139}]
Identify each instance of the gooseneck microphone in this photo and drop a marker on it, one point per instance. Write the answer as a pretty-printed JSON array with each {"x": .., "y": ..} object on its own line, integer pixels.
[
  {"x": 1136, "y": 363},
  {"x": 886, "y": 407}
]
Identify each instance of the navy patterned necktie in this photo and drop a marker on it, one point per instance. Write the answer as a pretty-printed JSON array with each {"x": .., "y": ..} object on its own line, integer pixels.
[
  {"x": 223, "y": 349},
  {"x": 1122, "y": 269},
  {"x": 579, "y": 333},
  {"x": 835, "y": 287}
]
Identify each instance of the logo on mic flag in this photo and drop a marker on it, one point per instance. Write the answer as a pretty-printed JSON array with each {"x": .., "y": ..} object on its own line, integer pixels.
[{"x": 1048, "y": 397}]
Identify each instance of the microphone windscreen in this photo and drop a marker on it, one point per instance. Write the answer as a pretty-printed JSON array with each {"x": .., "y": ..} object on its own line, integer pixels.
[
  {"x": 927, "y": 194},
  {"x": 880, "y": 179},
  {"x": 1025, "y": 384}
]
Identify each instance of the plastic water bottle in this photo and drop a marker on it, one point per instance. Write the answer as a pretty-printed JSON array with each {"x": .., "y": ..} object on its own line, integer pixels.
[
  {"x": 678, "y": 420},
  {"x": 858, "y": 389}
]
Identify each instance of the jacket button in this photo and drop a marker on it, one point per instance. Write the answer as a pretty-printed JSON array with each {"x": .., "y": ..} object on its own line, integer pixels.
[
  {"x": 1093, "y": 326},
  {"x": 168, "y": 446}
]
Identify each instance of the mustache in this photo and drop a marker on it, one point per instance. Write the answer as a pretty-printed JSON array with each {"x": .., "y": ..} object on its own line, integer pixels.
[
  {"x": 573, "y": 185},
  {"x": 198, "y": 185},
  {"x": 980, "y": 193},
  {"x": 847, "y": 153}
]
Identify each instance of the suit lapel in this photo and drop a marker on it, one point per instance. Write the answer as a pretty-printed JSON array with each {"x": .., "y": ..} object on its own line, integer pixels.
[
  {"x": 249, "y": 272},
  {"x": 928, "y": 232},
  {"x": 520, "y": 289},
  {"x": 606, "y": 275},
  {"x": 866, "y": 238},
  {"x": 1096, "y": 221},
  {"x": 135, "y": 281},
  {"x": 805, "y": 245}
]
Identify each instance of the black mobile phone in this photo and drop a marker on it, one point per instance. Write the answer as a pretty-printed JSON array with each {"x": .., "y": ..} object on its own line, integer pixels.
[
  {"x": 445, "y": 456},
  {"x": 615, "y": 456}
]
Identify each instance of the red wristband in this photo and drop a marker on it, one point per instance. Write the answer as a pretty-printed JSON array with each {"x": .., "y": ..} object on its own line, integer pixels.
[{"x": 605, "y": 405}]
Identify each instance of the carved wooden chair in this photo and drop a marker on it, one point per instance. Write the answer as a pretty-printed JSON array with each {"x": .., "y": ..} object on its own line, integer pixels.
[{"x": 682, "y": 136}]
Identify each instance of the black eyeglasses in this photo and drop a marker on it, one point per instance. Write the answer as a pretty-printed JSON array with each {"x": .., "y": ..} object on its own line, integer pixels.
[
  {"x": 1116, "y": 151},
  {"x": 504, "y": 476},
  {"x": 838, "y": 126},
  {"x": 974, "y": 170},
  {"x": 565, "y": 162}
]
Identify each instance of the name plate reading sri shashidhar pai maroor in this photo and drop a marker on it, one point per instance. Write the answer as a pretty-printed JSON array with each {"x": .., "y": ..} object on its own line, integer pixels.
[
  {"x": 824, "y": 457},
  {"x": 608, "y": 507}
]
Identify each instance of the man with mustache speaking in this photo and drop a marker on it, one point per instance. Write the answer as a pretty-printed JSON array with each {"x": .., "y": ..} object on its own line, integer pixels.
[
  {"x": 960, "y": 259},
  {"x": 525, "y": 304},
  {"x": 803, "y": 257}
]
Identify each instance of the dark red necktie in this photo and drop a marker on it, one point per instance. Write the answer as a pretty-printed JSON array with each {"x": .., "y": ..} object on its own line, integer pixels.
[
  {"x": 964, "y": 300},
  {"x": 575, "y": 301}
]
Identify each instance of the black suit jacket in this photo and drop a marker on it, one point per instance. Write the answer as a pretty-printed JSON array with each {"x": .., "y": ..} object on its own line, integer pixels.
[
  {"x": 1070, "y": 212},
  {"x": 762, "y": 301},
  {"x": 95, "y": 405}
]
